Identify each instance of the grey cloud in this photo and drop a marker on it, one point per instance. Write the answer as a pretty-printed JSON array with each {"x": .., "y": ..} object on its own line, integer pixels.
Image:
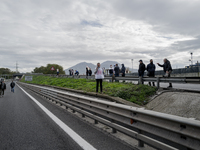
[{"x": 170, "y": 16}]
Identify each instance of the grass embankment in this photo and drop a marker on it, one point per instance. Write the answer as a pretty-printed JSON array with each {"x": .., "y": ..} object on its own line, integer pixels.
[{"x": 134, "y": 93}]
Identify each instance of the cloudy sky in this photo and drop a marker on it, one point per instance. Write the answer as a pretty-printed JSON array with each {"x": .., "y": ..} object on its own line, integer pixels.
[{"x": 67, "y": 32}]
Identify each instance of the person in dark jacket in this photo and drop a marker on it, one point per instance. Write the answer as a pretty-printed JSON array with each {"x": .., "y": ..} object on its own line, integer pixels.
[
  {"x": 141, "y": 69},
  {"x": 116, "y": 69},
  {"x": 90, "y": 72},
  {"x": 167, "y": 68},
  {"x": 2, "y": 88},
  {"x": 87, "y": 71},
  {"x": 151, "y": 71},
  {"x": 123, "y": 70},
  {"x": 12, "y": 85}
]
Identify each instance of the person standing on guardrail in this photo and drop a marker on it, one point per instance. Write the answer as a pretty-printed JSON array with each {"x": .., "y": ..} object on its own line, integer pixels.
[
  {"x": 99, "y": 76},
  {"x": 2, "y": 88},
  {"x": 141, "y": 70},
  {"x": 117, "y": 70},
  {"x": 167, "y": 69},
  {"x": 151, "y": 71},
  {"x": 123, "y": 70},
  {"x": 12, "y": 86}
]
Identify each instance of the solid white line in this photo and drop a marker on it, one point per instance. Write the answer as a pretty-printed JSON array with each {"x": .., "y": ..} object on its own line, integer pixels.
[{"x": 79, "y": 140}]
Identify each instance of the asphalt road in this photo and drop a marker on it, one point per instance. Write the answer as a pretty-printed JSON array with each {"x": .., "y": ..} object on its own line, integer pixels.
[{"x": 25, "y": 126}]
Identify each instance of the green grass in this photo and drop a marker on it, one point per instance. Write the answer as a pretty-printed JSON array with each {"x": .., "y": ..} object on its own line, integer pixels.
[{"x": 138, "y": 94}]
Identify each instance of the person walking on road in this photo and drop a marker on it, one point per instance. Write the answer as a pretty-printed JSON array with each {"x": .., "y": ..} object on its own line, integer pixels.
[
  {"x": 2, "y": 88},
  {"x": 167, "y": 69},
  {"x": 141, "y": 69},
  {"x": 12, "y": 85},
  {"x": 99, "y": 76},
  {"x": 123, "y": 70},
  {"x": 151, "y": 71}
]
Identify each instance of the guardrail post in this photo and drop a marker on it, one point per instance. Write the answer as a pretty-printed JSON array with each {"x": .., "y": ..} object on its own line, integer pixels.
[
  {"x": 158, "y": 82},
  {"x": 113, "y": 78},
  {"x": 140, "y": 143},
  {"x": 140, "y": 79}
]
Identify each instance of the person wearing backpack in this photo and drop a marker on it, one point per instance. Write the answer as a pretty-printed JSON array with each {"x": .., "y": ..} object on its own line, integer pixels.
[{"x": 12, "y": 85}]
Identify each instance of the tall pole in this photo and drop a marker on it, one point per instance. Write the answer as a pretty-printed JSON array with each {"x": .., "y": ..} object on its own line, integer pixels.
[
  {"x": 132, "y": 64},
  {"x": 191, "y": 58},
  {"x": 17, "y": 67}
]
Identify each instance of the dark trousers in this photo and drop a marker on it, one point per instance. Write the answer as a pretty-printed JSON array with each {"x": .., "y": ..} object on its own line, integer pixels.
[
  {"x": 116, "y": 75},
  {"x": 97, "y": 86},
  {"x": 2, "y": 92},
  {"x": 170, "y": 84},
  {"x": 152, "y": 82}
]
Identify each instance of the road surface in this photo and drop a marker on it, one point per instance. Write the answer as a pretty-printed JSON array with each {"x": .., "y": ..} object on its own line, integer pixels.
[{"x": 25, "y": 126}]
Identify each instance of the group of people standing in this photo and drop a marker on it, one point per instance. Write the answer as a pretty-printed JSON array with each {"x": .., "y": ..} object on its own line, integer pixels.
[
  {"x": 116, "y": 71},
  {"x": 88, "y": 71},
  {"x": 151, "y": 69},
  {"x": 99, "y": 74},
  {"x": 3, "y": 87}
]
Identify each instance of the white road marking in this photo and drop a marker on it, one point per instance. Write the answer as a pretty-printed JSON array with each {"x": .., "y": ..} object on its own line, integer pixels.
[{"x": 79, "y": 140}]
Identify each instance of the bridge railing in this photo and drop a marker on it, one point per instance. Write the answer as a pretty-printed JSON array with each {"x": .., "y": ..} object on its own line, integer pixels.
[{"x": 159, "y": 130}]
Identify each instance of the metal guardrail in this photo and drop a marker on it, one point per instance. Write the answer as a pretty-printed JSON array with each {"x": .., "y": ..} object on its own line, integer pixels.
[
  {"x": 161, "y": 131},
  {"x": 158, "y": 80}
]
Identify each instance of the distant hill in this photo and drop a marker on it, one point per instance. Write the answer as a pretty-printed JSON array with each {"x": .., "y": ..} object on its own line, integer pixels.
[
  {"x": 81, "y": 67},
  {"x": 107, "y": 64}
]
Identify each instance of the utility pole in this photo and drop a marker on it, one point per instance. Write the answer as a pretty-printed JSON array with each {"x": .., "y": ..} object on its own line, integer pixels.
[
  {"x": 17, "y": 67},
  {"x": 132, "y": 63},
  {"x": 191, "y": 59}
]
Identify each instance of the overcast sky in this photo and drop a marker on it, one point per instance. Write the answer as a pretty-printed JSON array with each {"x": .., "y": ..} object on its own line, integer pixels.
[{"x": 67, "y": 32}]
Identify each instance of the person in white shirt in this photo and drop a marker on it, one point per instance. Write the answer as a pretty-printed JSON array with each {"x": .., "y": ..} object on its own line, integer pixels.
[{"x": 99, "y": 76}]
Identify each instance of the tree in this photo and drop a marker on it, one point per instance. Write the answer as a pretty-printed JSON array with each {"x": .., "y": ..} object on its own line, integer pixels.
[
  {"x": 5, "y": 71},
  {"x": 47, "y": 69}
]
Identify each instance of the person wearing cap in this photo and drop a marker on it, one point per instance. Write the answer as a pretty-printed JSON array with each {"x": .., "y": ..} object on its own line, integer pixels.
[{"x": 141, "y": 69}]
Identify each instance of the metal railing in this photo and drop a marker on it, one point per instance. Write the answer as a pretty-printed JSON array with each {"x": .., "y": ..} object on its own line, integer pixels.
[
  {"x": 159, "y": 130},
  {"x": 158, "y": 80}
]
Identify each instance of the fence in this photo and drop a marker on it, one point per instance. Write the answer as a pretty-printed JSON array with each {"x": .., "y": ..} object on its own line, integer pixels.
[{"x": 161, "y": 131}]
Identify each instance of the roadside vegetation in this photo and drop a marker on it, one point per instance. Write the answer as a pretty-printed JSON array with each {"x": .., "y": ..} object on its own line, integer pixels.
[{"x": 138, "y": 94}]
